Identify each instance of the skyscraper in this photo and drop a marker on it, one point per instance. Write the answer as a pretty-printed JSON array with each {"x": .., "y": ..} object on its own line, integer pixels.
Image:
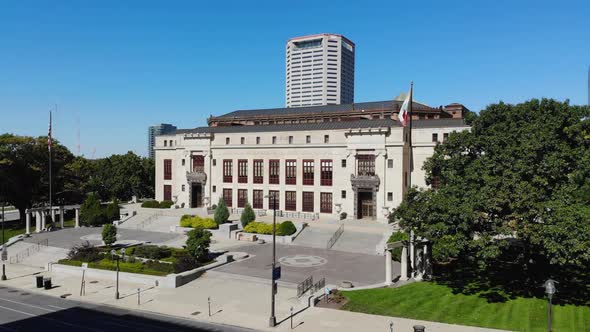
[
  {"x": 154, "y": 131},
  {"x": 320, "y": 70}
]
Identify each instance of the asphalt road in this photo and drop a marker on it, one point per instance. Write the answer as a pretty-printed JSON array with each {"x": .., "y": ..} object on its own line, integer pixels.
[{"x": 23, "y": 311}]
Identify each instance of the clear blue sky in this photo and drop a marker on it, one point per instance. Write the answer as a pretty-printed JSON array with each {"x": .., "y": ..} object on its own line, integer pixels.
[{"x": 116, "y": 67}]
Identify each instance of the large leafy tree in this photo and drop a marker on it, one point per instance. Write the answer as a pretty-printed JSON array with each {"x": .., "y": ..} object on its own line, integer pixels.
[
  {"x": 520, "y": 176},
  {"x": 123, "y": 176}
]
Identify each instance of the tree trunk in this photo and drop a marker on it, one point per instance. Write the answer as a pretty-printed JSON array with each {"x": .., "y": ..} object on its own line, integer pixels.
[{"x": 21, "y": 213}]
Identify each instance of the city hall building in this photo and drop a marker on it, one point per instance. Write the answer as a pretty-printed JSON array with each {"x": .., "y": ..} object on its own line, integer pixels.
[{"x": 318, "y": 161}]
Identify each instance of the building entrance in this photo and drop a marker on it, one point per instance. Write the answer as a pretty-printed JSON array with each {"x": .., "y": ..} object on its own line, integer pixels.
[
  {"x": 197, "y": 196},
  {"x": 365, "y": 205}
]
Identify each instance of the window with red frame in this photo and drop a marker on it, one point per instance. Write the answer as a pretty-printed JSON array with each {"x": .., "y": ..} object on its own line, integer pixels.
[
  {"x": 291, "y": 171},
  {"x": 257, "y": 199},
  {"x": 290, "y": 200},
  {"x": 227, "y": 197},
  {"x": 167, "y": 169},
  {"x": 365, "y": 164},
  {"x": 167, "y": 192},
  {"x": 308, "y": 172},
  {"x": 198, "y": 164},
  {"x": 274, "y": 171},
  {"x": 228, "y": 168},
  {"x": 326, "y": 202},
  {"x": 242, "y": 171},
  {"x": 242, "y": 197},
  {"x": 258, "y": 171},
  {"x": 326, "y": 172},
  {"x": 276, "y": 199},
  {"x": 307, "y": 201}
]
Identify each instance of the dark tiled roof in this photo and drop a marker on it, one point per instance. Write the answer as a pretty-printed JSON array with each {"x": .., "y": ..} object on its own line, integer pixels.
[
  {"x": 386, "y": 105},
  {"x": 325, "y": 126}
]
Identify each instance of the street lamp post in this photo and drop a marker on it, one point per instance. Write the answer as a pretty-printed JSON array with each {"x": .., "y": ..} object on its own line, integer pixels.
[
  {"x": 273, "y": 320},
  {"x": 114, "y": 254},
  {"x": 550, "y": 290}
]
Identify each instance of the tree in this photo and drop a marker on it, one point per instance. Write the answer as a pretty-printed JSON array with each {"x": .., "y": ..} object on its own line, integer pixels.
[
  {"x": 109, "y": 234},
  {"x": 113, "y": 211},
  {"x": 123, "y": 176},
  {"x": 521, "y": 175},
  {"x": 198, "y": 243},
  {"x": 248, "y": 215},
  {"x": 92, "y": 213},
  {"x": 221, "y": 212}
]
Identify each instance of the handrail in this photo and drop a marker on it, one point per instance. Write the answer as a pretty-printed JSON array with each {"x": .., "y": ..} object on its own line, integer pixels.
[
  {"x": 304, "y": 286},
  {"x": 335, "y": 237},
  {"x": 21, "y": 255}
]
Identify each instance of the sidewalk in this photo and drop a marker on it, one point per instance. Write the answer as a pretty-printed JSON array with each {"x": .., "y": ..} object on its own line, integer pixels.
[{"x": 234, "y": 301}]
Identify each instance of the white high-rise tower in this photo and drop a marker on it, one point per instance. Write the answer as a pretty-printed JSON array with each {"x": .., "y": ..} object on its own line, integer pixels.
[{"x": 320, "y": 70}]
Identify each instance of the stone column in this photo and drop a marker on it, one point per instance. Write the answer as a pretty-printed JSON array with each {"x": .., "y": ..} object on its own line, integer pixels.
[
  {"x": 404, "y": 264},
  {"x": 43, "y": 220},
  {"x": 61, "y": 216},
  {"x": 77, "y": 217},
  {"x": 412, "y": 255},
  {"x": 38, "y": 222},
  {"x": 28, "y": 229},
  {"x": 387, "y": 267},
  {"x": 53, "y": 216}
]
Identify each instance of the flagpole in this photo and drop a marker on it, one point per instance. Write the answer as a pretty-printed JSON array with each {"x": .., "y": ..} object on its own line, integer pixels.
[
  {"x": 50, "y": 162},
  {"x": 410, "y": 107}
]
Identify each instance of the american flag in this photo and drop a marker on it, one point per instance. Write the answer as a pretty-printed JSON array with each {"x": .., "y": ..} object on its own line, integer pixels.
[{"x": 49, "y": 133}]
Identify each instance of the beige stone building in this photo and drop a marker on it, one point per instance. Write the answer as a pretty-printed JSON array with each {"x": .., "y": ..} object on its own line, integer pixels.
[{"x": 318, "y": 160}]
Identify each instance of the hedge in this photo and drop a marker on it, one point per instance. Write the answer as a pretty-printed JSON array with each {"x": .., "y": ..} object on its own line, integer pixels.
[
  {"x": 284, "y": 228},
  {"x": 150, "y": 267},
  {"x": 198, "y": 222},
  {"x": 153, "y": 204},
  {"x": 396, "y": 253}
]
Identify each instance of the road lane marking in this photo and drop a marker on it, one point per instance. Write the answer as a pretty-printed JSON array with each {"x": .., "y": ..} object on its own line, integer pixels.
[
  {"x": 20, "y": 312},
  {"x": 56, "y": 307},
  {"x": 28, "y": 305}
]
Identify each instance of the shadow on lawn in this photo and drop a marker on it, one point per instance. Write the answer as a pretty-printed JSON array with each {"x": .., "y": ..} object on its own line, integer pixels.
[{"x": 503, "y": 281}]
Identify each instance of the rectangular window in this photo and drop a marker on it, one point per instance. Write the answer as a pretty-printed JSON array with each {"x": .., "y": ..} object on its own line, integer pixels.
[
  {"x": 389, "y": 196},
  {"x": 227, "y": 197},
  {"x": 182, "y": 188},
  {"x": 274, "y": 171},
  {"x": 242, "y": 197},
  {"x": 242, "y": 140},
  {"x": 389, "y": 163},
  {"x": 273, "y": 196},
  {"x": 290, "y": 139},
  {"x": 326, "y": 202},
  {"x": 326, "y": 172},
  {"x": 226, "y": 140},
  {"x": 435, "y": 137},
  {"x": 343, "y": 194},
  {"x": 257, "y": 140},
  {"x": 183, "y": 162},
  {"x": 242, "y": 171},
  {"x": 228, "y": 168},
  {"x": 290, "y": 200},
  {"x": 257, "y": 199},
  {"x": 167, "y": 192},
  {"x": 198, "y": 164},
  {"x": 308, "y": 166},
  {"x": 274, "y": 140},
  {"x": 365, "y": 164},
  {"x": 343, "y": 163},
  {"x": 326, "y": 138},
  {"x": 405, "y": 179},
  {"x": 167, "y": 169},
  {"x": 445, "y": 136},
  {"x": 258, "y": 170},
  {"x": 214, "y": 162},
  {"x": 308, "y": 139},
  {"x": 214, "y": 188},
  {"x": 291, "y": 171},
  {"x": 307, "y": 201}
]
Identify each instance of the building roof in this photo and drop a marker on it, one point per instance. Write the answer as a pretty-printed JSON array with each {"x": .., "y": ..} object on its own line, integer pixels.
[
  {"x": 373, "y": 105},
  {"x": 376, "y": 123}
]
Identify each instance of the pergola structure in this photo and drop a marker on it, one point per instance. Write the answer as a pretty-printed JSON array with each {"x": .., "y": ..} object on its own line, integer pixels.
[
  {"x": 41, "y": 213},
  {"x": 419, "y": 259}
]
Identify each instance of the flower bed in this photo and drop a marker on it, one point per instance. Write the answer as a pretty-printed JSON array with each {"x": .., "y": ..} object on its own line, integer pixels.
[
  {"x": 198, "y": 222},
  {"x": 284, "y": 228}
]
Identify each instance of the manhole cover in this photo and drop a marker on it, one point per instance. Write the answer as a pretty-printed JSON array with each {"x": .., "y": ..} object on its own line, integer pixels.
[
  {"x": 94, "y": 282},
  {"x": 302, "y": 261},
  {"x": 196, "y": 313},
  {"x": 24, "y": 294}
]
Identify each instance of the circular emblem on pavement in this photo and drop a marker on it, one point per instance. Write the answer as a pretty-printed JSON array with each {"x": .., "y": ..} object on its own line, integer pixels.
[{"x": 302, "y": 261}]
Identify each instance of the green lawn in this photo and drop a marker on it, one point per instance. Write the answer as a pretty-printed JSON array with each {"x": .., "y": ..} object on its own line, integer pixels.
[
  {"x": 137, "y": 267},
  {"x": 434, "y": 302}
]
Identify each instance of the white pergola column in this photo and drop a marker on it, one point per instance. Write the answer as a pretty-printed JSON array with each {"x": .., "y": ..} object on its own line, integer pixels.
[
  {"x": 28, "y": 229},
  {"x": 61, "y": 216},
  {"x": 387, "y": 267},
  {"x": 77, "y": 218},
  {"x": 412, "y": 255},
  {"x": 53, "y": 221},
  {"x": 404, "y": 264},
  {"x": 38, "y": 222},
  {"x": 43, "y": 220}
]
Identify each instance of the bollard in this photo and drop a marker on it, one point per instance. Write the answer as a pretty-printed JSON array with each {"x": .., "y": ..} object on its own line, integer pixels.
[
  {"x": 390, "y": 326},
  {"x": 138, "y": 300},
  {"x": 419, "y": 328},
  {"x": 209, "y": 304},
  {"x": 291, "y": 318}
]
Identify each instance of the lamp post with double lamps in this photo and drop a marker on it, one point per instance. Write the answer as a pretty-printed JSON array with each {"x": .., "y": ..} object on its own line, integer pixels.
[
  {"x": 113, "y": 256},
  {"x": 273, "y": 320},
  {"x": 550, "y": 290}
]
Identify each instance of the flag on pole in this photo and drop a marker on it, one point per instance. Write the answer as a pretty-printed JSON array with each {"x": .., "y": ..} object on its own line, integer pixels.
[
  {"x": 49, "y": 133},
  {"x": 404, "y": 113}
]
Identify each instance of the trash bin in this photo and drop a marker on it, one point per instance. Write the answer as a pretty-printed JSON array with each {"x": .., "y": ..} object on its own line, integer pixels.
[
  {"x": 39, "y": 280},
  {"x": 419, "y": 328},
  {"x": 47, "y": 284}
]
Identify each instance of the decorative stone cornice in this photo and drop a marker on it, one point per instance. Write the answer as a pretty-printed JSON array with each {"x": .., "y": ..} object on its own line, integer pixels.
[
  {"x": 196, "y": 177},
  {"x": 365, "y": 181}
]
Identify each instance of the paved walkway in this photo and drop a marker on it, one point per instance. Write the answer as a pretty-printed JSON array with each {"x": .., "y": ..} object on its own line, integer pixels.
[{"x": 233, "y": 301}]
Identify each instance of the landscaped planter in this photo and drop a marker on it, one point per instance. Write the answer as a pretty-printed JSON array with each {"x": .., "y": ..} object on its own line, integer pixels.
[{"x": 284, "y": 239}]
